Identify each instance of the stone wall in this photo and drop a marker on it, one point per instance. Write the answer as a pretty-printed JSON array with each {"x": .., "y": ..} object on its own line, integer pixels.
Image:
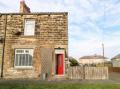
[
  {"x": 2, "y": 31},
  {"x": 51, "y": 31},
  {"x": 0, "y": 57}
]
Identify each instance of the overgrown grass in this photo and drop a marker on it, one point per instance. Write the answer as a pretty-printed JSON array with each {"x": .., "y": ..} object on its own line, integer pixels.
[{"x": 58, "y": 86}]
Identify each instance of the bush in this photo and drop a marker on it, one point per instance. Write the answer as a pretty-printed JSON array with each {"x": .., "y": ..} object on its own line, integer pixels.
[{"x": 73, "y": 61}]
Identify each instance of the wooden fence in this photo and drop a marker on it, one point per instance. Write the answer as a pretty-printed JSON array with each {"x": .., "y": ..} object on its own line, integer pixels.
[
  {"x": 114, "y": 69},
  {"x": 79, "y": 72},
  {"x": 96, "y": 72},
  {"x": 76, "y": 72}
]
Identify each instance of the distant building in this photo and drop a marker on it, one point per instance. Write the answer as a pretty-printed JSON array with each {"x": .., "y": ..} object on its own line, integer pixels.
[
  {"x": 92, "y": 59},
  {"x": 116, "y": 61}
]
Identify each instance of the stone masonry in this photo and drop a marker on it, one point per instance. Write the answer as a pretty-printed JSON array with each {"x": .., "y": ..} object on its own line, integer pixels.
[
  {"x": 51, "y": 31},
  {"x": 2, "y": 33}
]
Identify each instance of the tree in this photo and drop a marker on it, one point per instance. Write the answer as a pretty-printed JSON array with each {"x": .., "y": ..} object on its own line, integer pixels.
[{"x": 73, "y": 61}]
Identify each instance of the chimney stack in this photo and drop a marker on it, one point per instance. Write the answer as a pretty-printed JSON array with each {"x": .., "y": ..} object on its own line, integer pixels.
[{"x": 23, "y": 7}]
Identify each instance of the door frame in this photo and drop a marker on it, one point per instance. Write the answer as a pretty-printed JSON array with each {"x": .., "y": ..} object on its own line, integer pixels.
[{"x": 59, "y": 51}]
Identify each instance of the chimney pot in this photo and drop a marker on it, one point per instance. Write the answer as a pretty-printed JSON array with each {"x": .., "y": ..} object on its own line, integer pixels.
[{"x": 23, "y": 7}]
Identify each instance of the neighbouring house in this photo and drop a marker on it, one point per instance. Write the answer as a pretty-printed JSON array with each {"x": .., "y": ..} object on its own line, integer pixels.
[
  {"x": 92, "y": 59},
  {"x": 116, "y": 61},
  {"x": 33, "y": 45}
]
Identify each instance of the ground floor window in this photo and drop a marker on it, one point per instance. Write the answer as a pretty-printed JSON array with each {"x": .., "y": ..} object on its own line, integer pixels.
[{"x": 23, "y": 57}]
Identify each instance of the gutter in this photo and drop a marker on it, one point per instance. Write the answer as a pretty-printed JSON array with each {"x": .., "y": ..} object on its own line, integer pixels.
[
  {"x": 3, "y": 53},
  {"x": 37, "y": 13}
]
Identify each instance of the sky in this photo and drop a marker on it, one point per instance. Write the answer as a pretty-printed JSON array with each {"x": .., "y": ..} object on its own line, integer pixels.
[{"x": 90, "y": 23}]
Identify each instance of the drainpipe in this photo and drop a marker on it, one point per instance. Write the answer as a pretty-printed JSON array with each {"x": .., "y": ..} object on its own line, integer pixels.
[{"x": 3, "y": 53}]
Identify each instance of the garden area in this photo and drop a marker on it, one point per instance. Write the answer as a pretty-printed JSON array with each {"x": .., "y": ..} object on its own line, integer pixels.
[{"x": 55, "y": 85}]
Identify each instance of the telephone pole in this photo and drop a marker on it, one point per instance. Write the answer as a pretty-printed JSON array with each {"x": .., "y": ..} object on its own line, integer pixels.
[
  {"x": 103, "y": 50},
  {"x": 103, "y": 54}
]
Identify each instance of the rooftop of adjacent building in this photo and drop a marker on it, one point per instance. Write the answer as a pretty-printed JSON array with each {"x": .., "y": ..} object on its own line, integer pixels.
[
  {"x": 93, "y": 57},
  {"x": 116, "y": 57}
]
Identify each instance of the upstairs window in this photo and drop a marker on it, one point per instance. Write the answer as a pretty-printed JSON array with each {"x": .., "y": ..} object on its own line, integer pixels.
[
  {"x": 23, "y": 58},
  {"x": 29, "y": 28}
]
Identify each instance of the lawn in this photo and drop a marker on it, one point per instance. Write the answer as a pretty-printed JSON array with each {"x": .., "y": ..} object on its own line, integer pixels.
[{"x": 57, "y": 86}]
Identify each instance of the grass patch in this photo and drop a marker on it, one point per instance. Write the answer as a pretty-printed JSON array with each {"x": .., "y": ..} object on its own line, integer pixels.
[{"x": 57, "y": 86}]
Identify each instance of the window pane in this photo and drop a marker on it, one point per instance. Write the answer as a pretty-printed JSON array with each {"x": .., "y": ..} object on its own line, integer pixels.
[
  {"x": 20, "y": 51},
  {"x": 25, "y": 58},
  {"x": 16, "y": 60},
  {"x": 20, "y": 60},
  {"x": 30, "y": 60},
  {"x": 29, "y": 27},
  {"x": 26, "y": 51}
]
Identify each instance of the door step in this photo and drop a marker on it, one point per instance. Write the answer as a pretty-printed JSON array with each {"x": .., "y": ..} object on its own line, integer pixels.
[{"x": 58, "y": 78}]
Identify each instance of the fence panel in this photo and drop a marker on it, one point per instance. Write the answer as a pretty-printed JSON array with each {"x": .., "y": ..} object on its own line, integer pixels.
[
  {"x": 96, "y": 73},
  {"x": 79, "y": 72},
  {"x": 75, "y": 72},
  {"x": 114, "y": 69}
]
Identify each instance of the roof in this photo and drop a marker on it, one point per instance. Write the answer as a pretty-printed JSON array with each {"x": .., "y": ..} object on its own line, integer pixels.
[
  {"x": 116, "y": 57},
  {"x": 93, "y": 57},
  {"x": 35, "y": 13}
]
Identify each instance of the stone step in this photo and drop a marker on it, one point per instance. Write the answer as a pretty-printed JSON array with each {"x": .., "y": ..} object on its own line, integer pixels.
[{"x": 58, "y": 78}]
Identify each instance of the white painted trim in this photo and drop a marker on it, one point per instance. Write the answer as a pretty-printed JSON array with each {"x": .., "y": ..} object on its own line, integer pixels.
[
  {"x": 59, "y": 51},
  {"x": 59, "y": 75},
  {"x": 23, "y": 67},
  {"x": 29, "y": 27},
  {"x": 23, "y": 49}
]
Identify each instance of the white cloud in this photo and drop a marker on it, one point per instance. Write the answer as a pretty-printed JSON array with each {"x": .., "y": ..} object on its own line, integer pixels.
[
  {"x": 86, "y": 22},
  {"x": 9, "y": 6}
]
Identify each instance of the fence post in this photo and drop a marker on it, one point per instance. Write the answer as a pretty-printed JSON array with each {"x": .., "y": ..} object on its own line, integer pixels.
[{"x": 83, "y": 72}]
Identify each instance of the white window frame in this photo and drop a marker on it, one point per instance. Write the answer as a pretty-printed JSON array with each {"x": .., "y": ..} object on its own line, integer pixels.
[
  {"x": 27, "y": 30},
  {"x": 24, "y": 52}
]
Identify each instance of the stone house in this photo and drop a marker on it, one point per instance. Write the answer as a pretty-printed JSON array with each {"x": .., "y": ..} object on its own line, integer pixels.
[
  {"x": 116, "y": 61},
  {"x": 92, "y": 59},
  {"x": 33, "y": 45}
]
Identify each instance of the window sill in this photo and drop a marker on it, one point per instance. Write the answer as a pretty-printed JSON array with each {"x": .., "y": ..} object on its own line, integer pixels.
[
  {"x": 23, "y": 67},
  {"x": 28, "y": 36}
]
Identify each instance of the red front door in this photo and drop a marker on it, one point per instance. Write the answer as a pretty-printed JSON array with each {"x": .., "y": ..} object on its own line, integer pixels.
[{"x": 59, "y": 64}]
